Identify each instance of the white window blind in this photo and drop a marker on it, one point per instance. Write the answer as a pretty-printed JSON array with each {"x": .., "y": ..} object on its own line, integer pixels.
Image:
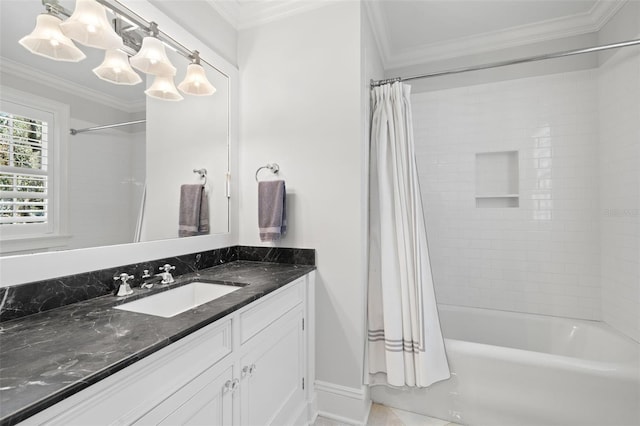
[
  {"x": 24, "y": 170},
  {"x": 33, "y": 151}
]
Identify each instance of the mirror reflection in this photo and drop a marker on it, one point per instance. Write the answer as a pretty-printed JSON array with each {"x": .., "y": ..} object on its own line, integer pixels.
[{"x": 104, "y": 185}]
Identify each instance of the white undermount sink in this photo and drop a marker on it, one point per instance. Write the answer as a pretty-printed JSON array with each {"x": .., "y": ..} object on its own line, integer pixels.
[{"x": 175, "y": 301}]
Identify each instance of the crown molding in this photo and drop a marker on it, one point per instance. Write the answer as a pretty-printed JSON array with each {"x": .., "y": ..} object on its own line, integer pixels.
[
  {"x": 32, "y": 74},
  {"x": 553, "y": 29},
  {"x": 228, "y": 9},
  {"x": 263, "y": 12},
  {"x": 247, "y": 14},
  {"x": 604, "y": 10},
  {"x": 380, "y": 29}
]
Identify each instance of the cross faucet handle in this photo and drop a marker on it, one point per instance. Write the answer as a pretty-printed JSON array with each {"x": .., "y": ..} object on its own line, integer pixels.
[
  {"x": 125, "y": 288},
  {"x": 167, "y": 267},
  {"x": 167, "y": 278},
  {"x": 124, "y": 277}
]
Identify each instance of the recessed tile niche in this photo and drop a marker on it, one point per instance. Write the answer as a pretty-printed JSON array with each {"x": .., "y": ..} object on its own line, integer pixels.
[{"x": 497, "y": 179}]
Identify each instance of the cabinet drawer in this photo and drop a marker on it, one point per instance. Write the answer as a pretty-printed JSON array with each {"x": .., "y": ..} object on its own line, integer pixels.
[
  {"x": 204, "y": 401},
  {"x": 258, "y": 317},
  {"x": 126, "y": 395}
]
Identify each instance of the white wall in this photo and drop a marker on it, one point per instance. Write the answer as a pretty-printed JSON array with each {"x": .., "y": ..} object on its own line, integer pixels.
[
  {"x": 619, "y": 160},
  {"x": 301, "y": 100},
  {"x": 543, "y": 256}
]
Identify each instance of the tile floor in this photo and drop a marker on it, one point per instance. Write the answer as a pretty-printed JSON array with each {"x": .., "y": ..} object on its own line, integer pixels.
[{"x": 385, "y": 416}]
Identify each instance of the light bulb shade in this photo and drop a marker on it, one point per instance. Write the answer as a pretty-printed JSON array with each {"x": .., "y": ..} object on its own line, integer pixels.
[
  {"x": 164, "y": 88},
  {"x": 47, "y": 40},
  {"x": 88, "y": 25},
  {"x": 116, "y": 69},
  {"x": 195, "y": 82},
  {"x": 152, "y": 58}
]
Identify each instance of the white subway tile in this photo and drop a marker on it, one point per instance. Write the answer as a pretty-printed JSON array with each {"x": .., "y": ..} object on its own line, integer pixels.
[{"x": 542, "y": 257}]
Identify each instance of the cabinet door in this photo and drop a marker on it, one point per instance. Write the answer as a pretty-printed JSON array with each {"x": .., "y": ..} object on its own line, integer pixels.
[
  {"x": 206, "y": 400},
  {"x": 272, "y": 369}
]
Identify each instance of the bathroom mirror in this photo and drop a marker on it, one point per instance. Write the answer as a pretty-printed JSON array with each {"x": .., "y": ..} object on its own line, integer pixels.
[{"x": 123, "y": 183}]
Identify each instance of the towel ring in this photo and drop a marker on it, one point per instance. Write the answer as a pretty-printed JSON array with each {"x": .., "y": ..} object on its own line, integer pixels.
[
  {"x": 203, "y": 175},
  {"x": 273, "y": 167}
]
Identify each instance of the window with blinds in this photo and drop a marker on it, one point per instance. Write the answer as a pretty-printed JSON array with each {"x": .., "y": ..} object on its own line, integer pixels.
[{"x": 24, "y": 171}]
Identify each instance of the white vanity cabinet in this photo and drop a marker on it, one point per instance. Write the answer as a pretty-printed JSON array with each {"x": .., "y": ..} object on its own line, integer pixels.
[
  {"x": 252, "y": 367},
  {"x": 272, "y": 372}
]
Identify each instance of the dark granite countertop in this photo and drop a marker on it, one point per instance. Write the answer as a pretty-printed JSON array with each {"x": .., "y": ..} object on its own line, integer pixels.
[{"x": 49, "y": 356}]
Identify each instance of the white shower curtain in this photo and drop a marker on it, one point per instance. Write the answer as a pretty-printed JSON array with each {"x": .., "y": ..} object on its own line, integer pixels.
[{"x": 405, "y": 344}]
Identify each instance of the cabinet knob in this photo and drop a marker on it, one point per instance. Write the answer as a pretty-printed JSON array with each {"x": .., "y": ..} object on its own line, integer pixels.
[
  {"x": 231, "y": 385},
  {"x": 248, "y": 370}
]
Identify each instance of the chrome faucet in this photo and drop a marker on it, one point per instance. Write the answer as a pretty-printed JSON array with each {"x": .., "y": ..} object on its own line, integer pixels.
[
  {"x": 148, "y": 283},
  {"x": 125, "y": 288},
  {"x": 167, "y": 278}
]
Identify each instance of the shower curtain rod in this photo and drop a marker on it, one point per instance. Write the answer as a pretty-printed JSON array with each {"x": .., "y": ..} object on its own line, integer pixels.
[
  {"x": 106, "y": 126},
  {"x": 375, "y": 83}
]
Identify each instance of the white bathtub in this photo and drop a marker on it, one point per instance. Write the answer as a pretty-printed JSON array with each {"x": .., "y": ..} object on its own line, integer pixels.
[{"x": 513, "y": 369}]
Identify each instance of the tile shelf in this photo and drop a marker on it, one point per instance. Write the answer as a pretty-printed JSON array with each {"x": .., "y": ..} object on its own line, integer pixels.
[
  {"x": 497, "y": 196},
  {"x": 497, "y": 179}
]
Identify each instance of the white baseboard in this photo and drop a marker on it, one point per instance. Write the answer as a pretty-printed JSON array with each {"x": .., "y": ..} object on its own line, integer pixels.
[
  {"x": 343, "y": 404},
  {"x": 306, "y": 415}
]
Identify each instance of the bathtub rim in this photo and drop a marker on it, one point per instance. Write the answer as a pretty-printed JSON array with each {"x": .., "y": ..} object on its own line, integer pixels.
[{"x": 623, "y": 369}]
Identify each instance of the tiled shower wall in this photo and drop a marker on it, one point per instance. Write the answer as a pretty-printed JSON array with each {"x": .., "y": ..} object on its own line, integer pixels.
[
  {"x": 619, "y": 153},
  {"x": 542, "y": 256}
]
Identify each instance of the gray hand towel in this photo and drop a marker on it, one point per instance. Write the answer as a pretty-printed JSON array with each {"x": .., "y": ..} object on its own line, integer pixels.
[
  {"x": 194, "y": 211},
  {"x": 272, "y": 211}
]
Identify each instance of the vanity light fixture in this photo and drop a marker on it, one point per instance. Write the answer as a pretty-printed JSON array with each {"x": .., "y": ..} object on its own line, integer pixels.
[
  {"x": 47, "y": 40},
  {"x": 195, "y": 82},
  {"x": 164, "y": 88},
  {"x": 88, "y": 25},
  {"x": 116, "y": 69},
  {"x": 152, "y": 58}
]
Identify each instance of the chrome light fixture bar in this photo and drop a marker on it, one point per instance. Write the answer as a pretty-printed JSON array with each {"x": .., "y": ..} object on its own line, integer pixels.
[
  {"x": 146, "y": 27},
  {"x": 129, "y": 35}
]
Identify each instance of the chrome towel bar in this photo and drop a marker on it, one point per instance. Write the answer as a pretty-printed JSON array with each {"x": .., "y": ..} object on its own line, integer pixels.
[
  {"x": 273, "y": 167},
  {"x": 203, "y": 175}
]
